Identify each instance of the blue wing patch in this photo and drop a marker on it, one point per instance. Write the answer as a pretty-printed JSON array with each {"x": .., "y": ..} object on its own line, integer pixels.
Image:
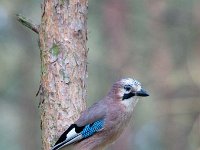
[
  {"x": 92, "y": 128},
  {"x": 74, "y": 133}
]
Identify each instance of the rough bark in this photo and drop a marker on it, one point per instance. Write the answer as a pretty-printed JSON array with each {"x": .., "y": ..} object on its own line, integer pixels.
[{"x": 62, "y": 41}]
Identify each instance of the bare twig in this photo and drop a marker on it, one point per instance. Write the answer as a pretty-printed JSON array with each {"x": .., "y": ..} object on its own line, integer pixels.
[
  {"x": 28, "y": 23},
  {"x": 39, "y": 89}
]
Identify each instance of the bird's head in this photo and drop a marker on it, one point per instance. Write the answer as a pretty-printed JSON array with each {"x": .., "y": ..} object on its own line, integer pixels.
[{"x": 128, "y": 91}]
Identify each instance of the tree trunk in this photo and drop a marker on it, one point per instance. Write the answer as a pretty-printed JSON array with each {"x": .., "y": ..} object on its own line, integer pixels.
[{"x": 62, "y": 41}]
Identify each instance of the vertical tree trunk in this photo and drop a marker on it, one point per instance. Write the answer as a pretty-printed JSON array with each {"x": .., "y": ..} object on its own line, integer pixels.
[{"x": 62, "y": 38}]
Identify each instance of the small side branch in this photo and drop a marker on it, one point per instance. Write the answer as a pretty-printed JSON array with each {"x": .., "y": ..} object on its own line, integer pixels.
[{"x": 28, "y": 23}]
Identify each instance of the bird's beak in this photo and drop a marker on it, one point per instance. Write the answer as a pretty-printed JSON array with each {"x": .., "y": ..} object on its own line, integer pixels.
[{"x": 142, "y": 93}]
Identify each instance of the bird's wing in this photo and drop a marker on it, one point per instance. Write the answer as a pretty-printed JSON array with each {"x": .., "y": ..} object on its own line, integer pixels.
[
  {"x": 92, "y": 114},
  {"x": 90, "y": 122}
]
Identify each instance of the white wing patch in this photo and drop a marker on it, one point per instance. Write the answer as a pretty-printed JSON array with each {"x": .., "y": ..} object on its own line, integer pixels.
[
  {"x": 71, "y": 134},
  {"x": 71, "y": 137}
]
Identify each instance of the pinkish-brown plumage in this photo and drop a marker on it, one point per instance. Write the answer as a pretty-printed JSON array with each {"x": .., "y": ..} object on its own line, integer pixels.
[{"x": 115, "y": 109}]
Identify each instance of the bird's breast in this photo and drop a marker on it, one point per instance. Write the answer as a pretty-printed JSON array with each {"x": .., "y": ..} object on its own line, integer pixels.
[{"x": 115, "y": 122}]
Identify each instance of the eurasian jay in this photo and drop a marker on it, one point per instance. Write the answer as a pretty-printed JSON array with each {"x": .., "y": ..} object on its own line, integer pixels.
[{"x": 104, "y": 121}]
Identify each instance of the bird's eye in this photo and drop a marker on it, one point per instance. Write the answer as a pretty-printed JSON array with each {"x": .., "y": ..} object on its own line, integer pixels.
[{"x": 127, "y": 87}]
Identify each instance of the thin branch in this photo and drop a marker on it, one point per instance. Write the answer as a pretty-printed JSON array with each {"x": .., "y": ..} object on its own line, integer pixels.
[{"x": 28, "y": 23}]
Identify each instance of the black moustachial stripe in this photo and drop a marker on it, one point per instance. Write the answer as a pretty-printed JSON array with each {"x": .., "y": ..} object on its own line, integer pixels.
[{"x": 127, "y": 96}]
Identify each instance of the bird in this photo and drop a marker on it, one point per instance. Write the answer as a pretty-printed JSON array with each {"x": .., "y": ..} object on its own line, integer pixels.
[{"x": 103, "y": 122}]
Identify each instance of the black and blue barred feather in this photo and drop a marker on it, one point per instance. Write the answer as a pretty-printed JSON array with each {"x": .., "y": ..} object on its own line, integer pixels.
[
  {"x": 78, "y": 133},
  {"x": 92, "y": 128}
]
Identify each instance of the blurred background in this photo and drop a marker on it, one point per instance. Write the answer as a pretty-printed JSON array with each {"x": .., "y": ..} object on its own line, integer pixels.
[{"x": 155, "y": 41}]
